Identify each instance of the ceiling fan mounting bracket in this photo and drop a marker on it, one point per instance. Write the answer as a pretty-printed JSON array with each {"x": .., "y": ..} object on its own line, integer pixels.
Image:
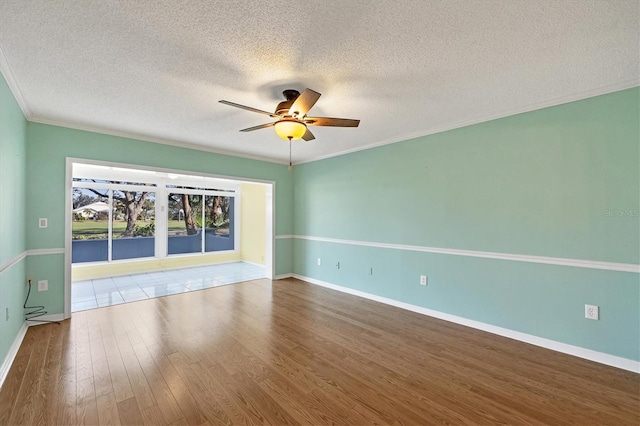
[{"x": 291, "y": 94}]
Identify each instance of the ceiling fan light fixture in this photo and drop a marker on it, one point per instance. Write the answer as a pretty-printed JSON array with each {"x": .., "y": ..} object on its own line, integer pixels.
[{"x": 289, "y": 129}]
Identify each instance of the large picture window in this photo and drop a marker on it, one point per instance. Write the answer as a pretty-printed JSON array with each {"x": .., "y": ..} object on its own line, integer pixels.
[{"x": 116, "y": 219}]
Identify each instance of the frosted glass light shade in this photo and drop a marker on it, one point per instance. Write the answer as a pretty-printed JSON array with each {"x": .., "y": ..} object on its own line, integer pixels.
[{"x": 290, "y": 129}]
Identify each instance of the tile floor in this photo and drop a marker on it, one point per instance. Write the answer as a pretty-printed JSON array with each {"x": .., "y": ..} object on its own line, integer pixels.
[{"x": 93, "y": 294}]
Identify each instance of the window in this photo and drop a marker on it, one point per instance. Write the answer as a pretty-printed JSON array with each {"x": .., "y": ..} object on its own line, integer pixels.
[
  {"x": 116, "y": 219},
  {"x": 90, "y": 225},
  {"x": 184, "y": 223},
  {"x": 218, "y": 218},
  {"x": 187, "y": 219},
  {"x": 133, "y": 224}
]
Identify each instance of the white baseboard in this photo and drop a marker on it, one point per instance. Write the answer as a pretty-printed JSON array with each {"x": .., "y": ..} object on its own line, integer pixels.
[
  {"x": 13, "y": 351},
  {"x": 283, "y": 276},
  {"x": 43, "y": 319},
  {"x": 253, "y": 263},
  {"x": 600, "y": 357}
]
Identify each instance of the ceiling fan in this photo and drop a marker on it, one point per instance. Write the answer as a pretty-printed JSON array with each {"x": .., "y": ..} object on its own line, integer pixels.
[{"x": 292, "y": 119}]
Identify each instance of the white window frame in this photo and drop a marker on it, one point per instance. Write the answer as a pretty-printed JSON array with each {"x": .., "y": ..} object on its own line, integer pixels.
[
  {"x": 204, "y": 192},
  {"x": 159, "y": 186},
  {"x": 110, "y": 187}
]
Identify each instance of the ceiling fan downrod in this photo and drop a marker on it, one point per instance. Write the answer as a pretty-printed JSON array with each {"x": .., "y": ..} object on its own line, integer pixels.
[{"x": 290, "y": 164}]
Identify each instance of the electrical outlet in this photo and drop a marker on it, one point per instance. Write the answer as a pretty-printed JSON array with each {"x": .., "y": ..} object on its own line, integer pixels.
[
  {"x": 423, "y": 280},
  {"x": 338, "y": 265},
  {"x": 29, "y": 280},
  {"x": 7, "y": 314},
  {"x": 591, "y": 312},
  {"x": 42, "y": 222},
  {"x": 319, "y": 262},
  {"x": 43, "y": 285}
]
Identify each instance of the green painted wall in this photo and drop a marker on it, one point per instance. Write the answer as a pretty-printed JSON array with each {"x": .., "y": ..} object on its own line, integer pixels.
[
  {"x": 558, "y": 182},
  {"x": 12, "y": 225},
  {"x": 47, "y": 150},
  {"x": 284, "y": 261}
]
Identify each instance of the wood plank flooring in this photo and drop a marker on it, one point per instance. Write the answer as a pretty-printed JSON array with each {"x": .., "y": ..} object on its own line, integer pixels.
[{"x": 286, "y": 352}]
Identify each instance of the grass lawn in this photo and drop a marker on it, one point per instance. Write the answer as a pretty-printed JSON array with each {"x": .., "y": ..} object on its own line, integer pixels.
[{"x": 100, "y": 228}]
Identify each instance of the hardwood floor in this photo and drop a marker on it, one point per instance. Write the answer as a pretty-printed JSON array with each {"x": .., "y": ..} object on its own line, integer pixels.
[{"x": 286, "y": 352}]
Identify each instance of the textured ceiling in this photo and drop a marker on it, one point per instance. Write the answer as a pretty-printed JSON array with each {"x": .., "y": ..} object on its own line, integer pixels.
[{"x": 156, "y": 69}]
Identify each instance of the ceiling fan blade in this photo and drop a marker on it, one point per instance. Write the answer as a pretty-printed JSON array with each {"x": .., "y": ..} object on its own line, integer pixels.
[
  {"x": 304, "y": 103},
  {"x": 259, "y": 111},
  {"x": 262, "y": 126},
  {"x": 308, "y": 136},
  {"x": 334, "y": 122}
]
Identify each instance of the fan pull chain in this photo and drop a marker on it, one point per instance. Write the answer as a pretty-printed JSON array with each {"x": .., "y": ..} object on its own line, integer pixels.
[{"x": 290, "y": 164}]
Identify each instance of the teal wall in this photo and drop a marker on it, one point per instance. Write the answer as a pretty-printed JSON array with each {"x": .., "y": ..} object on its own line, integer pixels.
[
  {"x": 557, "y": 182},
  {"x": 49, "y": 146},
  {"x": 284, "y": 261},
  {"x": 12, "y": 212}
]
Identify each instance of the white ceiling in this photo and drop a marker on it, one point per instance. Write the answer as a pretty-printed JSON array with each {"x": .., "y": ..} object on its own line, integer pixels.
[{"x": 155, "y": 70}]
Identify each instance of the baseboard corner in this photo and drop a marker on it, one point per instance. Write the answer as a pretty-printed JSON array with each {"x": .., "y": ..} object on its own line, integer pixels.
[
  {"x": 283, "y": 276},
  {"x": 45, "y": 319}
]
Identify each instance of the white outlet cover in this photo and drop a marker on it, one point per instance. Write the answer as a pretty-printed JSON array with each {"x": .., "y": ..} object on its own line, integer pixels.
[
  {"x": 591, "y": 312},
  {"x": 319, "y": 261},
  {"x": 423, "y": 280},
  {"x": 42, "y": 222},
  {"x": 43, "y": 285}
]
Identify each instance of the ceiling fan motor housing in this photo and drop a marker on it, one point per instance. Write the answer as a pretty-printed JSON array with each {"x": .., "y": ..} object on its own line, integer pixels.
[{"x": 290, "y": 95}]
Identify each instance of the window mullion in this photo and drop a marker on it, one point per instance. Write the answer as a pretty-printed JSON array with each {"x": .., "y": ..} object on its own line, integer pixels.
[
  {"x": 110, "y": 228},
  {"x": 203, "y": 226}
]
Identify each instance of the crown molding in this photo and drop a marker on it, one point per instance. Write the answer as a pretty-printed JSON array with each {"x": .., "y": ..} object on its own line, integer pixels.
[
  {"x": 153, "y": 139},
  {"x": 617, "y": 87},
  {"x": 7, "y": 72}
]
